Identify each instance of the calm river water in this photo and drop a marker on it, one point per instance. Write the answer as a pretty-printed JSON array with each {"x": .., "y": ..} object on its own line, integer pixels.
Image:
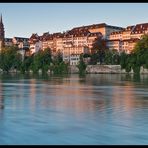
[{"x": 94, "y": 109}]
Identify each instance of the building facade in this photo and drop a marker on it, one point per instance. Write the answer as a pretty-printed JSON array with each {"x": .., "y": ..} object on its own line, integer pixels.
[
  {"x": 72, "y": 42},
  {"x": 126, "y": 39},
  {"x": 8, "y": 42},
  {"x": 80, "y": 40},
  {"x": 35, "y": 43}
]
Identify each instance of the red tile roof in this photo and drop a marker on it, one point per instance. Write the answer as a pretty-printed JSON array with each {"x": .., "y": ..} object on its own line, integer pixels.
[{"x": 140, "y": 28}]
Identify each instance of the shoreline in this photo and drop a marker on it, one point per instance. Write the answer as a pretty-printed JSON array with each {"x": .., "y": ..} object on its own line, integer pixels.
[
  {"x": 106, "y": 69},
  {"x": 90, "y": 69}
]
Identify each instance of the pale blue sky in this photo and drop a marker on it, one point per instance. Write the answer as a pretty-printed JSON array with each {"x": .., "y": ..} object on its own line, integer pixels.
[{"x": 23, "y": 19}]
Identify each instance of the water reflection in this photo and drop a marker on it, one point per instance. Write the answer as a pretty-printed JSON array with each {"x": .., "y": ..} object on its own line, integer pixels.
[
  {"x": 1, "y": 96},
  {"x": 33, "y": 93},
  {"x": 89, "y": 109}
]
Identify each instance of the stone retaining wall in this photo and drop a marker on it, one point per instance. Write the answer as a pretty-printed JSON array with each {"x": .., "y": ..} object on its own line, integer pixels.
[
  {"x": 92, "y": 69},
  {"x": 104, "y": 69}
]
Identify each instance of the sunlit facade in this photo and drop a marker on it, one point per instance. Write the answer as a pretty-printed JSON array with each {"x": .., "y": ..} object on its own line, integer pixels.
[
  {"x": 72, "y": 42},
  {"x": 126, "y": 39}
]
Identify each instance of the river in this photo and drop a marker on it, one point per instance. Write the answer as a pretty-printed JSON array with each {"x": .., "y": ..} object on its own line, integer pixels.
[{"x": 93, "y": 109}]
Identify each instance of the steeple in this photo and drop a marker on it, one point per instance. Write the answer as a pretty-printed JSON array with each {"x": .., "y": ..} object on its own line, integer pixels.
[
  {"x": 1, "y": 19},
  {"x": 2, "y": 33}
]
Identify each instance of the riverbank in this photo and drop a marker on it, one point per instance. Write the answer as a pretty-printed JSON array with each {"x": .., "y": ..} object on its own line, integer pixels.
[
  {"x": 96, "y": 69},
  {"x": 93, "y": 69}
]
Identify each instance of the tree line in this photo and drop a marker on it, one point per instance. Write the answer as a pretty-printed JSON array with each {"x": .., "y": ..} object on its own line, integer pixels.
[{"x": 43, "y": 61}]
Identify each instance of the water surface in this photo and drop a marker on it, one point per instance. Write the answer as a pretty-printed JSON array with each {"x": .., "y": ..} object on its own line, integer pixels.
[{"x": 93, "y": 109}]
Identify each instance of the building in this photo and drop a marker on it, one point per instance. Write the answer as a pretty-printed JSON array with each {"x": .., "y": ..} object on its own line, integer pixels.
[
  {"x": 103, "y": 28},
  {"x": 126, "y": 39},
  {"x": 74, "y": 59},
  {"x": 8, "y": 42},
  {"x": 35, "y": 43},
  {"x": 21, "y": 42},
  {"x": 2, "y": 34},
  {"x": 73, "y": 42},
  {"x": 78, "y": 40},
  {"x": 45, "y": 40}
]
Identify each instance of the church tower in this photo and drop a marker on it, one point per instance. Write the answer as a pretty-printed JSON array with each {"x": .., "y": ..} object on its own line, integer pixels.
[{"x": 2, "y": 34}]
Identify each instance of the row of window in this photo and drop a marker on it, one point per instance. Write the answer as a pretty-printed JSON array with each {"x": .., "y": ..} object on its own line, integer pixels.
[
  {"x": 74, "y": 58},
  {"x": 73, "y": 52},
  {"x": 73, "y": 63}
]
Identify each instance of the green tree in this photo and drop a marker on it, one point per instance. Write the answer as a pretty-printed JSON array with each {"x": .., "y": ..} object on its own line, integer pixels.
[
  {"x": 58, "y": 66},
  {"x": 10, "y": 58},
  {"x": 26, "y": 64},
  {"x": 137, "y": 58},
  {"x": 142, "y": 46},
  {"x": 46, "y": 59},
  {"x": 123, "y": 58},
  {"x": 86, "y": 55},
  {"x": 115, "y": 57},
  {"x": 93, "y": 59},
  {"x": 112, "y": 57},
  {"x": 81, "y": 66},
  {"x": 139, "y": 54},
  {"x": 108, "y": 57},
  {"x": 37, "y": 62},
  {"x": 41, "y": 60},
  {"x": 58, "y": 57}
]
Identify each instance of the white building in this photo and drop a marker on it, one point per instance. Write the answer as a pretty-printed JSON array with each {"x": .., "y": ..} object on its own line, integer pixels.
[
  {"x": 35, "y": 44},
  {"x": 74, "y": 59}
]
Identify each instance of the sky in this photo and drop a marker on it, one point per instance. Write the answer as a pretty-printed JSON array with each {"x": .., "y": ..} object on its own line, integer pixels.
[{"x": 23, "y": 19}]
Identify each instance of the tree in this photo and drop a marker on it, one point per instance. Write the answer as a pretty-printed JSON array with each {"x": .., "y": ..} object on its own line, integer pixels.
[
  {"x": 58, "y": 58},
  {"x": 93, "y": 59},
  {"x": 99, "y": 48},
  {"x": 37, "y": 62},
  {"x": 58, "y": 65},
  {"x": 10, "y": 58},
  {"x": 99, "y": 44},
  {"x": 41, "y": 60},
  {"x": 86, "y": 55},
  {"x": 137, "y": 58},
  {"x": 59, "y": 68},
  {"x": 140, "y": 54},
  {"x": 115, "y": 57},
  {"x": 81, "y": 66},
  {"x": 46, "y": 59},
  {"x": 123, "y": 57},
  {"x": 26, "y": 64},
  {"x": 142, "y": 45},
  {"x": 108, "y": 57}
]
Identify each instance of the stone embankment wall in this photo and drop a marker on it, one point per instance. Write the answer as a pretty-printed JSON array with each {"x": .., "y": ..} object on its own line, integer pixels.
[{"x": 92, "y": 69}]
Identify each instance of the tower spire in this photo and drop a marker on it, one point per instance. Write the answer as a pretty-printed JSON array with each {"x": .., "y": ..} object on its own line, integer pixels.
[
  {"x": 2, "y": 33},
  {"x": 1, "y": 18}
]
